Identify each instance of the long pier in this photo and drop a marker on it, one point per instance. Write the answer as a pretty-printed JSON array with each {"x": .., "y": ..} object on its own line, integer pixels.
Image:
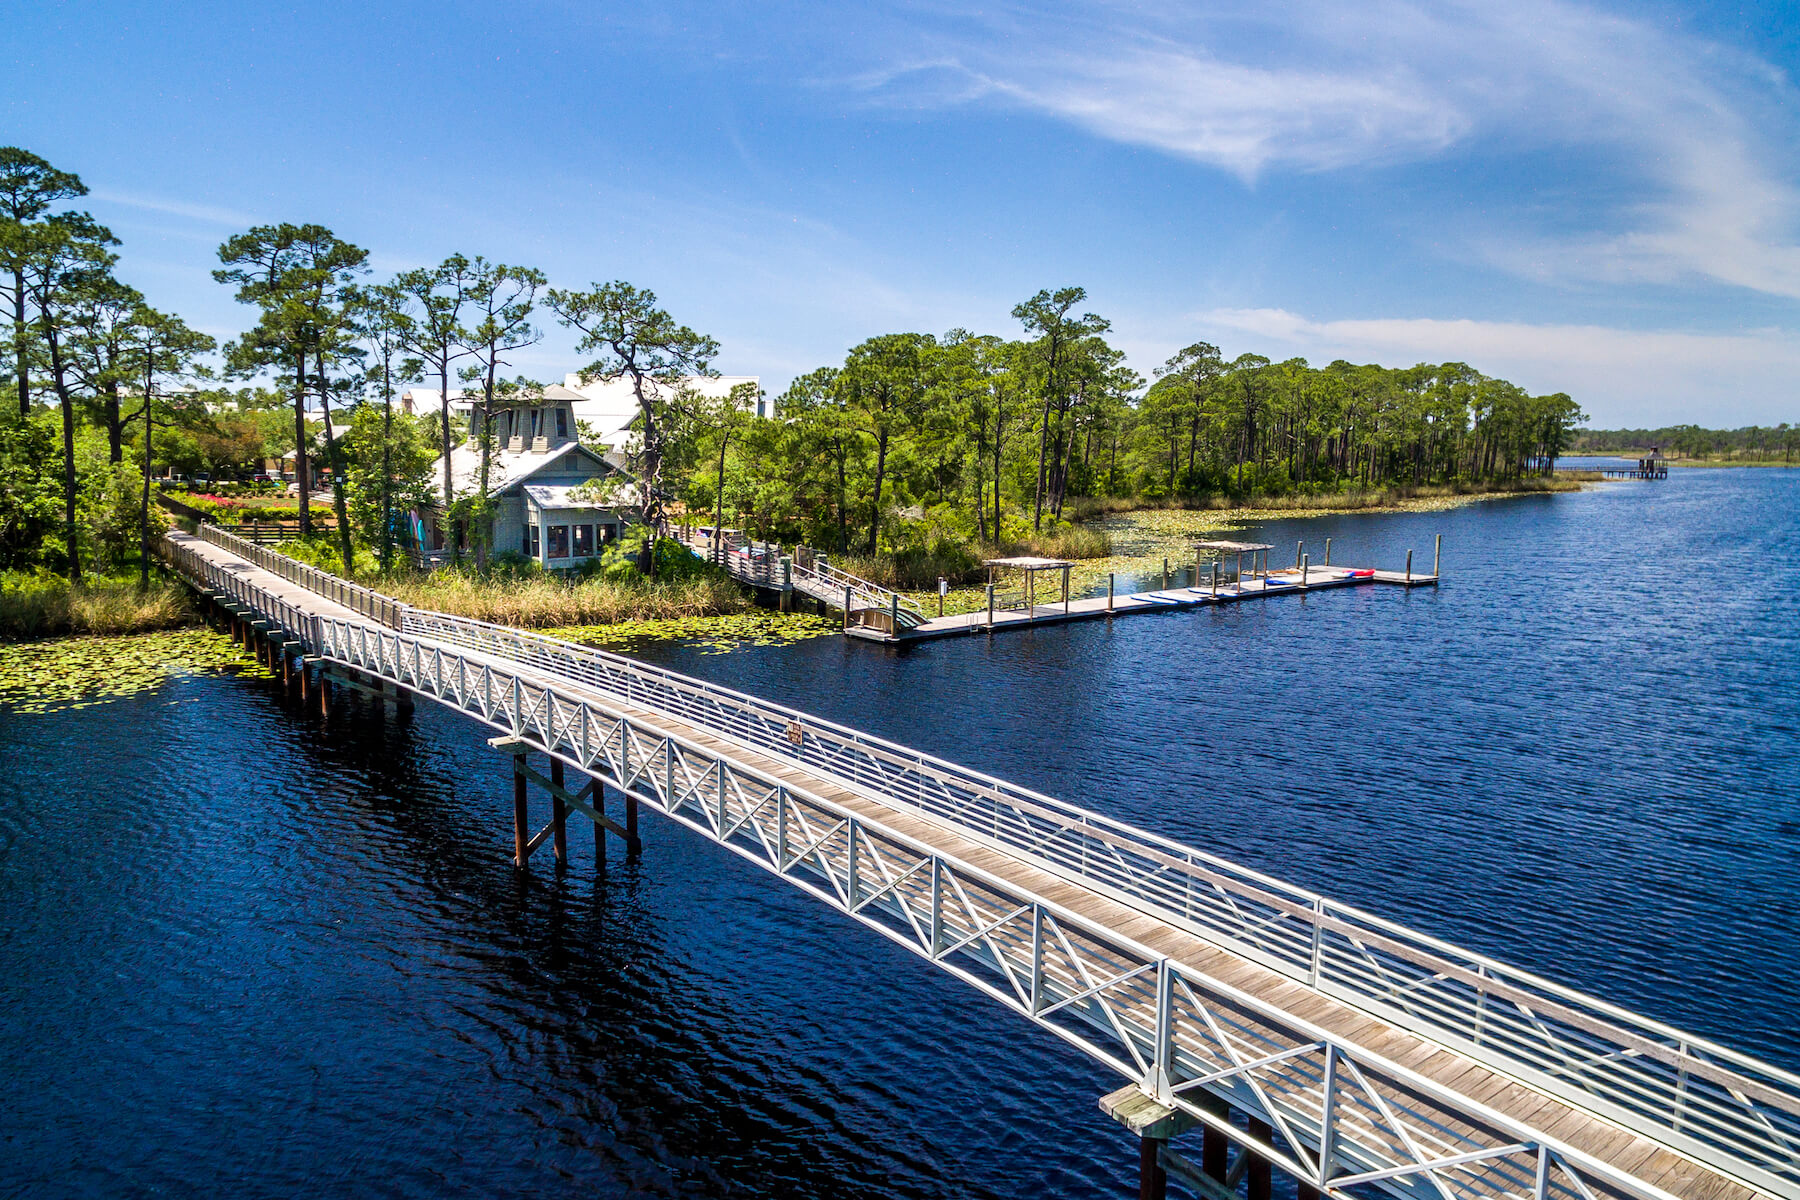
[
  {"x": 878, "y": 614},
  {"x": 1233, "y": 1010}
]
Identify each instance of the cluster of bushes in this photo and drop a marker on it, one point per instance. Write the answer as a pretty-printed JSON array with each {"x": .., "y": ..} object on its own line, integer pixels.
[{"x": 229, "y": 509}]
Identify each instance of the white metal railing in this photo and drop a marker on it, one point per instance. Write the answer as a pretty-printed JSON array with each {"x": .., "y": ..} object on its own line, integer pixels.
[
  {"x": 353, "y": 596},
  {"x": 1711, "y": 1101},
  {"x": 815, "y": 577},
  {"x": 1347, "y": 1117},
  {"x": 1718, "y": 1105}
]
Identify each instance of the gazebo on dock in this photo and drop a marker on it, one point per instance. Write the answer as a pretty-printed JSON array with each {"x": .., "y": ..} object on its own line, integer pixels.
[
  {"x": 1022, "y": 573},
  {"x": 1221, "y": 549}
]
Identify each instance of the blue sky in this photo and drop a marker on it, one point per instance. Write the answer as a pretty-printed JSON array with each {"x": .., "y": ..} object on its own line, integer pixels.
[{"x": 1604, "y": 201}]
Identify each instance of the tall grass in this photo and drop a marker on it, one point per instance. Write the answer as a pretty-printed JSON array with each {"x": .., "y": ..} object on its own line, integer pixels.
[
  {"x": 39, "y": 606},
  {"x": 538, "y": 601}
]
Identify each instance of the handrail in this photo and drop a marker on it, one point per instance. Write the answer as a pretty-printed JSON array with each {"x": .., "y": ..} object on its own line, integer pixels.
[
  {"x": 1700, "y": 1094},
  {"x": 1142, "y": 1013},
  {"x": 354, "y": 596},
  {"x": 818, "y": 579},
  {"x": 1717, "y": 1104}
]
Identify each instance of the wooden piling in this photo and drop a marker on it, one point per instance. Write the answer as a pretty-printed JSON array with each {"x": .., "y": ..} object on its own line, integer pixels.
[
  {"x": 521, "y": 835},
  {"x": 990, "y": 606},
  {"x": 1109, "y": 591},
  {"x": 1328, "y": 552},
  {"x": 1299, "y": 553},
  {"x": 1409, "y": 566},
  {"x": 1215, "y": 579},
  {"x": 599, "y": 829},
  {"x": 1165, "y": 572},
  {"x": 1213, "y": 1144},
  {"x": 1153, "y": 1181},
  {"x": 1437, "y": 555},
  {"x": 1305, "y": 568},
  {"x": 559, "y": 816},
  {"x": 1257, "y": 1174},
  {"x": 324, "y": 694}
]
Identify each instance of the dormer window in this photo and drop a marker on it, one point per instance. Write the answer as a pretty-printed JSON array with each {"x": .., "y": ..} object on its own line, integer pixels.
[{"x": 562, "y": 422}]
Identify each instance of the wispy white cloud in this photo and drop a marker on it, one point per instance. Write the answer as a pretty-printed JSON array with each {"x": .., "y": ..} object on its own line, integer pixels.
[
  {"x": 1694, "y": 136},
  {"x": 1618, "y": 375},
  {"x": 205, "y": 214}
]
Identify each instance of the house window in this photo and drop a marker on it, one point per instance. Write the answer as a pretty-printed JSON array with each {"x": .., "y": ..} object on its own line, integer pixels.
[
  {"x": 584, "y": 538},
  {"x": 559, "y": 541},
  {"x": 531, "y": 541},
  {"x": 437, "y": 536},
  {"x": 562, "y": 422}
]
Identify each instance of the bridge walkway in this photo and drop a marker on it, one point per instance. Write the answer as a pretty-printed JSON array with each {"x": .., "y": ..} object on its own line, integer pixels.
[{"x": 1400, "y": 1095}]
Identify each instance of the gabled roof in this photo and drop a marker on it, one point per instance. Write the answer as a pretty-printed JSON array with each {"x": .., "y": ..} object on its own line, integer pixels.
[{"x": 509, "y": 468}]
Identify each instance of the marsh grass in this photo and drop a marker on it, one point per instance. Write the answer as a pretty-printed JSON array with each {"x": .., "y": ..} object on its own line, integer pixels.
[
  {"x": 41, "y": 606},
  {"x": 546, "y": 601}
]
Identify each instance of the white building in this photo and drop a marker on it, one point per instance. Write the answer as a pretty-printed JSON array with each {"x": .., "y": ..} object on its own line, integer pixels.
[
  {"x": 607, "y": 407},
  {"x": 536, "y": 473}
]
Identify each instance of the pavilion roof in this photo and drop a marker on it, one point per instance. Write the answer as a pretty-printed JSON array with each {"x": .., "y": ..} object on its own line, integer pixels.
[{"x": 1029, "y": 564}]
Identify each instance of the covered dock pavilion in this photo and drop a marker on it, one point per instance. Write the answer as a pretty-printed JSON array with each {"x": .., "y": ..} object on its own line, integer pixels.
[
  {"x": 1219, "y": 549},
  {"x": 1025, "y": 570}
]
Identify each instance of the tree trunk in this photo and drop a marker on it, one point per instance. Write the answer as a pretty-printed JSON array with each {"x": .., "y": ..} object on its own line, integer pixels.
[
  {"x": 300, "y": 471},
  {"x": 999, "y": 438},
  {"x": 1037, "y": 500},
  {"x": 58, "y": 376},
  {"x": 881, "y": 447},
  {"x": 484, "y": 424},
  {"x": 144, "y": 508},
  {"x": 387, "y": 470},
  {"x": 115, "y": 427},
  {"x": 719, "y": 508},
  {"x": 21, "y": 371},
  {"x": 843, "y": 545},
  {"x": 443, "y": 366},
  {"x": 337, "y": 475}
]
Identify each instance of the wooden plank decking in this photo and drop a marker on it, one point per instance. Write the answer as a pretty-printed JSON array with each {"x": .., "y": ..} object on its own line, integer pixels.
[
  {"x": 1175, "y": 597},
  {"x": 1632, "y": 1153}
]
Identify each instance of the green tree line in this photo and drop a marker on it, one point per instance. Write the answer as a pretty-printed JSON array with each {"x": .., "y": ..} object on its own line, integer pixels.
[
  {"x": 913, "y": 438},
  {"x": 916, "y": 438},
  {"x": 1759, "y": 442}
]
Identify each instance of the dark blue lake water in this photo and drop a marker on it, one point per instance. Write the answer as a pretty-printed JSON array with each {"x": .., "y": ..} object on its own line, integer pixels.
[{"x": 245, "y": 953}]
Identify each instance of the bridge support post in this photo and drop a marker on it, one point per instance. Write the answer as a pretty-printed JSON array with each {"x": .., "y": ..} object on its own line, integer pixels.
[
  {"x": 324, "y": 693},
  {"x": 599, "y": 829},
  {"x": 632, "y": 844},
  {"x": 1257, "y": 1174},
  {"x": 1213, "y": 1142},
  {"x": 1154, "y": 1124},
  {"x": 521, "y": 832},
  {"x": 559, "y": 816}
]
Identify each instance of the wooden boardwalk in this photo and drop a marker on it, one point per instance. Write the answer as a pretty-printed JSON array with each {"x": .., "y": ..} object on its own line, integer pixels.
[{"x": 983, "y": 879}]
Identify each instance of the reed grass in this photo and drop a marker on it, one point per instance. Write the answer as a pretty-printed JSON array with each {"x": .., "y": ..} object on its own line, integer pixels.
[
  {"x": 41, "y": 606},
  {"x": 544, "y": 601}
]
